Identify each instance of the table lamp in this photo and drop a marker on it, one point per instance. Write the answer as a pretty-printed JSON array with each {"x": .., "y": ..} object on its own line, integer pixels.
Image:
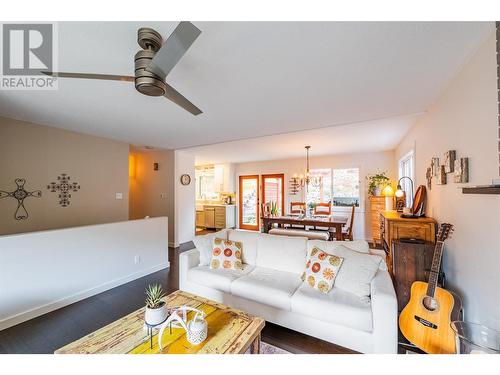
[
  {"x": 388, "y": 192},
  {"x": 399, "y": 190}
]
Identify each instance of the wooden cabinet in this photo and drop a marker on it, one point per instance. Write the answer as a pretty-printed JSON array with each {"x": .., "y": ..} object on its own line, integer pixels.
[
  {"x": 393, "y": 227},
  {"x": 220, "y": 216},
  {"x": 411, "y": 262},
  {"x": 377, "y": 205},
  {"x": 200, "y": 219}
]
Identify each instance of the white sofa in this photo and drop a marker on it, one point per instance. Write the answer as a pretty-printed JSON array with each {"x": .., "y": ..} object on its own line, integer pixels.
[{"x": 274, "y": 290}]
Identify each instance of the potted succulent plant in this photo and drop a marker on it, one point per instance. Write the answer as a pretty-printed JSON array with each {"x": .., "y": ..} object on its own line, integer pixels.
[
  {"x": 273, "y": 208},
  {"x": 376, "y": 183},
  {"x": 156, "y": 308}
]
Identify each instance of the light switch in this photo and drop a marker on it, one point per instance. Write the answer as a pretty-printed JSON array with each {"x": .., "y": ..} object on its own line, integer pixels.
[
  {"x": 119, "y": 196},
  {"x": 163, "y": 195}
]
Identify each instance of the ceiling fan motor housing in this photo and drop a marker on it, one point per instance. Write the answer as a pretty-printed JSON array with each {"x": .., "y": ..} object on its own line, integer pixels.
[{"x": 147, "y": 82}]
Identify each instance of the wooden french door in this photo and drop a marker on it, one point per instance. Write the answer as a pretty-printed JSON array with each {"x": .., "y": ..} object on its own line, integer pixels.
[
  {"x": 249, "y": 202},
  {"x": 272, "y": 190}
]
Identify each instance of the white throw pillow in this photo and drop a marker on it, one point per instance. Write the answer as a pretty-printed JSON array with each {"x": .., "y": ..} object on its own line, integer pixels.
[
  {"x": 357, "y": 271},
  {"x": 204, "y": 244}
]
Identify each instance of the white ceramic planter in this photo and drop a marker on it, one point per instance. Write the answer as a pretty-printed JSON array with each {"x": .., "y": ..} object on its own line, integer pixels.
[
  {"x": 156, "y": 316},
  {"x": 377, "y": 191}
]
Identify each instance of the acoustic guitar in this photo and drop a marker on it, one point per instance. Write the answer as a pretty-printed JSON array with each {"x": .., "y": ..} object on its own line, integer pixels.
[{"x": 426, "y": 319}]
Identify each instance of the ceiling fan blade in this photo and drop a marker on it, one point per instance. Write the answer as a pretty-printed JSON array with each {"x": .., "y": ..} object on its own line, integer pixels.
[
  {"x": 173, "y": 49},
  {"x": 176, "y": 97},
  {"x": 107, "y": 77}
]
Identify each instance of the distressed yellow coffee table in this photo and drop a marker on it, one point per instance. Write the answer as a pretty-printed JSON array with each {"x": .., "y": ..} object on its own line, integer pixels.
[{"x": 230, "y": 331}]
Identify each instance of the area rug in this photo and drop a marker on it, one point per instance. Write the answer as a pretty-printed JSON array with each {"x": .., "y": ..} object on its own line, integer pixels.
[{"x": 266, "y": 348}]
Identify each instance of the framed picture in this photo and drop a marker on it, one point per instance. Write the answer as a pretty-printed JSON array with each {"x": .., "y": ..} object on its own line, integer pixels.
[
  {"x": 461, "y": 174},
  {"x": 435, "y": 167},
  {"x": 449, "y": 161}
]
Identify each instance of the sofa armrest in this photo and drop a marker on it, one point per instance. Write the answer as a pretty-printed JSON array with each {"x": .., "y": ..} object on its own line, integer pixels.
[
  {"x": 187, "y": 260},
  {"x": 385, "y": 313}
]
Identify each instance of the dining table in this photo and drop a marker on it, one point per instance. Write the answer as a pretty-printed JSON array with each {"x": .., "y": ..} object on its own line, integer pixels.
[{"x": 333, "y": 222}]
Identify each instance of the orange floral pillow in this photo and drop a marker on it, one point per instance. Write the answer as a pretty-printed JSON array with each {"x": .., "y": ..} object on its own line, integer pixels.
[
  {"x": 226, "y": 254},
  {"x": 321, "y": 270}
]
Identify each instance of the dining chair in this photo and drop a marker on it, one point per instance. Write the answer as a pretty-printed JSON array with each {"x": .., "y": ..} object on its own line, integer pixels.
[
  {"x": 297, "y": 208},
  {"x": 322, "y": 209},
  {"x": 347, "y": 233}
]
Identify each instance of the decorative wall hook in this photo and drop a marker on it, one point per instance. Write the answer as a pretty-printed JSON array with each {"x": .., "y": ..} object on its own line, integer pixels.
[{"x": 20, "y": 194}]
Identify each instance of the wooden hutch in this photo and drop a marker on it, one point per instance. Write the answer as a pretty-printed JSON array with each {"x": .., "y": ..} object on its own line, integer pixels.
[{"x": 394, "y": 227}]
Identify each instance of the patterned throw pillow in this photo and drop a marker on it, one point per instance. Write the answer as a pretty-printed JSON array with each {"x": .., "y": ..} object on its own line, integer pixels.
[
  {"x": 226, "y": 254},
  {"x": 321, "y": 270}
]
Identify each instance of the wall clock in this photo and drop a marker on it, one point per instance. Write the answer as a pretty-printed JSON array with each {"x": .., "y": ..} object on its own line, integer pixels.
[{"x": 185, "y": 179}]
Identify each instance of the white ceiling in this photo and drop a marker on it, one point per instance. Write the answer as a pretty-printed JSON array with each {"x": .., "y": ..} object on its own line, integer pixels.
[
  {"x": 251, "y": 78},
  {"x": 378, "y": 135}
]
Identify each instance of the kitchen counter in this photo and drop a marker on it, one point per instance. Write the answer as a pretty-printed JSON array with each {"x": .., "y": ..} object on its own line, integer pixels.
[{"x": 201, "y": 207}]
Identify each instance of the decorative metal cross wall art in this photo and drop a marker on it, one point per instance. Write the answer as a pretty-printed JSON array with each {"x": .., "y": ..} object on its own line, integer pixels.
[
  {"x": 64, "y": 187},
  {"x": 20, "y": 194}
]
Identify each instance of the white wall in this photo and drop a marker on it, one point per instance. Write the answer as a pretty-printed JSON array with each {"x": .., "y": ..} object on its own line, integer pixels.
[
  {"x": 465, "y": 119},
  {"x": 45, "y": 270},
  {"x": 185, "y": 198},
  {"x": 369, "y": 163}
]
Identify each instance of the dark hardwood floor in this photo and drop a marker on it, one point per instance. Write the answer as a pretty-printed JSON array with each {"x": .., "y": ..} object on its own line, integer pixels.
[{"x": 51, "y": 331}]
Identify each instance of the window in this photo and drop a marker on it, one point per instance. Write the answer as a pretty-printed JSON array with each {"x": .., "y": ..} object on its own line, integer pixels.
[
  {"x": 321, "y": 192},
  {"x": 346, "y": 187},
  {"x": 406, "y": 168},
  {"x": 205, "y": 183},
  {"x": 339, "y": 186}
]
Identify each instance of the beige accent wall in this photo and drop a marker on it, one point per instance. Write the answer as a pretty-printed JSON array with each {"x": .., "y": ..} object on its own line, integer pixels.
[
  {"x": 152, "y": 192},
  {"x": 465, "y": 119},
  {"x": 369, "y": 163},
  {"x": 41, "y": 153}
]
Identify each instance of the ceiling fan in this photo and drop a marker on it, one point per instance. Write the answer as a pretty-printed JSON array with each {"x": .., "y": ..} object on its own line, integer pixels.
[{"x": 153, "y": 63}]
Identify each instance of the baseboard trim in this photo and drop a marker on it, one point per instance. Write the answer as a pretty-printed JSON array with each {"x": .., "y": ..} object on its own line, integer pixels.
[{"x": 51, "y": 306}]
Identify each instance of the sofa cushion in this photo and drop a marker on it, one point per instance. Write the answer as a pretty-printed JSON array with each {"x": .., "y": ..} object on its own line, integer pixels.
[
  {"x": 337, "y": 306},
  {"x": 248, "y": 239},
  {"x": 204, "y": 245},
  {"x": 357, "y": 245},
  {"x": 282, "y": 253},
  {"x": 219, "y": 279},
  {"x": 267, "y": 286}
]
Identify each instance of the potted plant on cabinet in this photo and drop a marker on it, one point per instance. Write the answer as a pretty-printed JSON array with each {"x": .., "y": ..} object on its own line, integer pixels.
[
  {"x": 156, "y": 308},
  {"x": 376, "y": 183}
]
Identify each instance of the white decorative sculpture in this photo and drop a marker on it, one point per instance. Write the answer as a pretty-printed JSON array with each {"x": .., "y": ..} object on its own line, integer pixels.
[{"x": 196, "y": 329}]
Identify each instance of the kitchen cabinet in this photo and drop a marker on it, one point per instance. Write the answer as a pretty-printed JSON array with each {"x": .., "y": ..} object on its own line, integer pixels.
[
  {"x": 224, "y": 176},
  {"x": 200, "y": 218},
  {"x": 219, "y": 178},
  {"x": 220, "y": 216}
]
